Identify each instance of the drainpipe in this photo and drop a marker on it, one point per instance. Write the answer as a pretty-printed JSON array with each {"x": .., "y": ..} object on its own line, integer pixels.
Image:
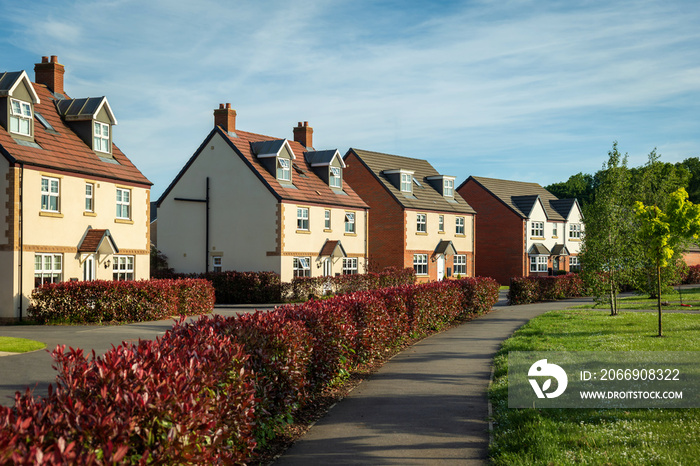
[{"x": 21, "y": 237}]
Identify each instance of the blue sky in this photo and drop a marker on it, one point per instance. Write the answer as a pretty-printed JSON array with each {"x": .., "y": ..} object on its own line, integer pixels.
[{"x": 522, "y": 90}]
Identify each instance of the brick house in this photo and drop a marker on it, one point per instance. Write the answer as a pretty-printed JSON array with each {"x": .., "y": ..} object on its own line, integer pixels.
[
  {"x": 523, "y": 229},
  {"x": 419, "y": 220},
  {"x": 75, "y": 207},
  {"x": 249, "y": 202}
]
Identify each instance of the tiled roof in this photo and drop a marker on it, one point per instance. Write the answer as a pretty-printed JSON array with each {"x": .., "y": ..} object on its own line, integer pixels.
[
  {"x": 93, "y": 240},
  {"x": 521, "y": 197},
  {"x": 62, "y": 149},
  {"x": 332, "y": 248},
  {"x": 424, "y": 197},
  {"x": 307, "y": 186}
]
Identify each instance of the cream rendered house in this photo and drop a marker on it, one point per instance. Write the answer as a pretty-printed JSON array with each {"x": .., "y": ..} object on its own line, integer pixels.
[
  {"x": 248, "y": 202},
  {"x": 75, "y": 207}
]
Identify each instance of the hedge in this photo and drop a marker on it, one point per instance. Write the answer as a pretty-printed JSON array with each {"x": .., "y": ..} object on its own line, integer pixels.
[
  {"x": 524, "y": 290},
  {"x": 209, "y": 391},
  {"x": 120, "y": 301},
  {"x": 692, "y": 275}
]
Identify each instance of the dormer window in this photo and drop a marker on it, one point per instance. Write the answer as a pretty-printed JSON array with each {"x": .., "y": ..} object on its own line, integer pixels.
[
  {"x": 335, "y": 180},
  {"x": 100, "y": 137},
  {"x": 406, "y": 180},
  {"x": 448, "y": 187},
  {"x": 20, "y": 117},
  {"x": 284, "y": 173},
  {"x": 443, "y": 184}
]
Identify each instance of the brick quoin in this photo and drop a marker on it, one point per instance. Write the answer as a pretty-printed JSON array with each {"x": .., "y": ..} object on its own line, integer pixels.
[{"x": 500, "y": 236}]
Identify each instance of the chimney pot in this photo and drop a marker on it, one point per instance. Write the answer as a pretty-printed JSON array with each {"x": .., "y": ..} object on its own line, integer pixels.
[
  {"x": 306, "y": 123},
  {"x": 50, "y": 74},
  {"x": 54, "y": 59},
  {"x": 304, "y": 134},
  {"x": 221, "y": 106},
  {"x": 44, "y": 59},
  {"x": 228, "y": 105}
]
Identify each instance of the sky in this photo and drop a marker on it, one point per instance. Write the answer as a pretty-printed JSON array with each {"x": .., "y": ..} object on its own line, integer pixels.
[{"x": 522, "y": 90}]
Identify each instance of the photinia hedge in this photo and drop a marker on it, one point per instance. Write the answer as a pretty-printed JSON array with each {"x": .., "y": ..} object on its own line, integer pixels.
[{"x": 524, "y": 290}]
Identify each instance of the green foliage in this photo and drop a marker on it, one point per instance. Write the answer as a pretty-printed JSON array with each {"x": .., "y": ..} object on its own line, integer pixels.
[{"x": 580, "y": 186}]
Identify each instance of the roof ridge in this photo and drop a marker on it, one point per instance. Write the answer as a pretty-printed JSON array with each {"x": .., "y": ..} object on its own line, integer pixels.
[{"x": 391, "y": 155}]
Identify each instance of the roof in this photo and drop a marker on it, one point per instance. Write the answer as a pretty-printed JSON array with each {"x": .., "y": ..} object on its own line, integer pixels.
[
  {"x": 445, "y": 247},
  {"x": 63, "y": 149},
  {"x": 321, "y": 158},
  {"x": 560, "y": 250},
  {"x": 332, "y": 248},
  {"x": 424, "y": 197},
  {"x": 94, "y": 239},
  {"x": 540, "y": 249},
  {"x": 306, "y": 186},
  {"x": 11, "y": 79},
  {"x": 521, "y": 197},
  {"x": 84, "y": 109}
]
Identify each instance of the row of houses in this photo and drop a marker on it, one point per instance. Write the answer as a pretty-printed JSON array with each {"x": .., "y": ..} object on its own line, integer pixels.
[{"x": 76, "y": 208}]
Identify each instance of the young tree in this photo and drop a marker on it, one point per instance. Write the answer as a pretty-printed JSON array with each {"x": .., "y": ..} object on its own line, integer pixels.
[
  {"x": 609, "y": 251},
  {"x": 666, "y": 233}
]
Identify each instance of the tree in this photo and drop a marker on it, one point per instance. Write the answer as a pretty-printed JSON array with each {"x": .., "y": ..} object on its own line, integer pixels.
[
  {"x": 692, "y": 164},
  {"x": 609, "y": 251},
  {"x": 665, "y": 233},
  {"x": 579, "y": 186}
]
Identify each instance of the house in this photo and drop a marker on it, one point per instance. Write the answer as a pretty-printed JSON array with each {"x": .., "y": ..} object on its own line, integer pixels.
[
  {"x": 523, "y": 229},
  {"x": 418, "y": 219},
  {"x": 75, "y": 207},
  {"x": 250, "y": 202}
]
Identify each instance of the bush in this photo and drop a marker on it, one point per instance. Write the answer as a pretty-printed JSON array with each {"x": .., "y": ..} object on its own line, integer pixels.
[
  {"x": 524, "y": 290},
  {"x": 480, "y": 294},
  {"x": 692, "y": 275},
  {"x": 120, "y": 301}
]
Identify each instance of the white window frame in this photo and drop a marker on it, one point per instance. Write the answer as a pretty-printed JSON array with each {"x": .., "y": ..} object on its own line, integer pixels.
[
  {"x": 20, "y": 117},
  {"x": 100, "y": 137},
  {"x": 349, "y": 222},
  {"x": 122, "y": 204},
  {"x": 216, "y": 264},
  {"x": 537, "y": 230},
  {"x": 284, "y": 169},
  {"x": 421, "y": 223},
  {"x": 574, "y": 264},
  {"x": 327, "y": 219},
  {"x": 555, "y": 229},
  {"x": 575, "y": 231},
  {"x": 48, "y": 272},
  {"x": 302, "y": 266},
  {"x": 406, "y": 182},
  {"x": 50, "y": 190},
  {"x": 460, "y": 264},
  {"x": 349, "y": 265},
  {"x": 459, "y": 225},
  {"x": 420, "y": 264},
  {"x": 303, "y": 218},
  {"x": 89, "y": 197},
  {"x": 334, "y": 178},
  {"x": 122, "y": 268},
  {"x": 448, "y": 187},
  {"x": 539, "y": 263},
  {"x": 441, "y": 223}
]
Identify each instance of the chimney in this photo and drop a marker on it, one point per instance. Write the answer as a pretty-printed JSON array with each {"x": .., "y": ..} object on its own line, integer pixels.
[
  {"x": 225, "y": 117},
  {"x": 304, "y": 135},
  {"x": 50, "y": 74}
]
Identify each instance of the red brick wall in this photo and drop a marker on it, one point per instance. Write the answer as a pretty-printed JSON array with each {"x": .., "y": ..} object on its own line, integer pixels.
[
  {"x": 500, "y": 241},
  {"x": 692, "y": 258},
  {"x": 387, "y": 242}
]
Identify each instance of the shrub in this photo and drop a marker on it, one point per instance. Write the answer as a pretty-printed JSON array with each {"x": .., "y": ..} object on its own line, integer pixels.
[
  {"x": 480, "y": 294},
  {"x": 692, "y": 275},
  {"x": 524, "y": 290}
]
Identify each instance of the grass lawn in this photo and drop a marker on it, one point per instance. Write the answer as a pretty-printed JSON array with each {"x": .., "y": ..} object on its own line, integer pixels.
[
  {"x": 19, "y": 345},
  {"x": 590, "y": 436},
  {"x": 690, "y": 296}
]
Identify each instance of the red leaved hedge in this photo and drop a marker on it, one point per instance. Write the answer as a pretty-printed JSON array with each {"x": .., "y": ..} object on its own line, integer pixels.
[{"x": 524, "y": 290}]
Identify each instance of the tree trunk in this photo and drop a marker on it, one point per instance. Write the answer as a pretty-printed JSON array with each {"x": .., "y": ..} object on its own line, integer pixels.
[{"x": 658, "y": 291}]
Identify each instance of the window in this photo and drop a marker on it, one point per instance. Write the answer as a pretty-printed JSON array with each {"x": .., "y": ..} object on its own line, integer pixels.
[
  {"x": 349, "y": 222},
  {"x": 574, "y": 264},
  {"x": 349, "y": 265},
  {"x": 575, "y": 231},
  {"x": 537, "y": 229},
  {"x": 448, "y": 187},
  {"x": 301, "y": 267},
  {"x": 538, "y": 263},
  {"x": 47, "y": 268},
  {"x": 555, "y": 228},
  {"x": 335, "y": 180},
  {"x": 123, "y": 203},
  {"x": 49, "y": 194},
  {"x": 421, "y": 223},
  {"x": 216, "y": 263},
  {"x": 420, "y": 264},
  {"x": 283, "y": 170},
  {"x": 21, "y": 117},
  {"x": 89, "y": 197},
  {"x": 459, "y": 225},
  {"x": 100, "y": 138},
  {"x": 441, "y": 223},
  {"x": 460, "y": 264},
  {"x": 123, "y": 268},
  {"x": 406, "y": 182},
  {"x": 327, "y": 220},
  {"x": 302, "y": 218}
]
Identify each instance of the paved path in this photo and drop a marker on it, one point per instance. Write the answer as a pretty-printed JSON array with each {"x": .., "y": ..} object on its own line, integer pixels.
[
  {"x": 19, "y": 371},
  {"x": 428, "y": 405}
]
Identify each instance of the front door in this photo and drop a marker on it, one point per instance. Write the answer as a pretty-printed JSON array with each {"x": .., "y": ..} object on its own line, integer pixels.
[
  {"x": 327, "y": 269},
  {"x": 440, "y": 267},
  {"x": 89, "y": 268}
]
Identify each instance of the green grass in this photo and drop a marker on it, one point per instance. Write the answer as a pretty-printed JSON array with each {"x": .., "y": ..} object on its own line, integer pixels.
[
  {"x": 19, "y": 345},
  {"x": 691, "y": 296},
  {"x": 590, "y": 436}
]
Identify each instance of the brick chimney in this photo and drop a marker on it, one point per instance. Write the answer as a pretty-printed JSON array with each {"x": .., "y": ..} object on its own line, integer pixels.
[
  {"x": 304, "y": 135},
  {"x": 225, "y": 117},
  {"x": 50, "y": 73}
]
